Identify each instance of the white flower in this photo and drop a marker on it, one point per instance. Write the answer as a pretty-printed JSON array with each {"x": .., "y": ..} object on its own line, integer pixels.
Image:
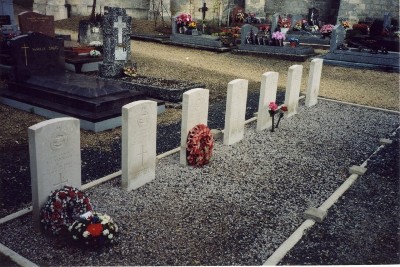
[
  {"x": 70, "y": 228},
  {"x": 86, "y": 234},
  {"x": 106, "y": 232},
  {"x": 110, "y": 236},
  {"x": 74, "y": 237}
]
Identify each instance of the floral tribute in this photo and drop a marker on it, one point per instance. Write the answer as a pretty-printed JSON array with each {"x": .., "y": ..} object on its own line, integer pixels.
[
  {"x": 200, "y": 143},
  {"x": 94, "y": 53},
  {"x": 94, "y": 229},
  {"x": 284, "y": 22},
  {"x": 326, "y": 29},
  {"x": 185, "y": 21},
  {"x": 274, "y": 109},
  {"x": 130, "y": 71},
  {"x": 62, "y": 208}
]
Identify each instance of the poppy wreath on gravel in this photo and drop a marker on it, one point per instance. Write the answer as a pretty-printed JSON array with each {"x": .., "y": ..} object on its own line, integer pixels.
[
  {"x": 199, "y": 146},
  {"x": 94, "y": 229},
  {"x": 62, "y": 208}
]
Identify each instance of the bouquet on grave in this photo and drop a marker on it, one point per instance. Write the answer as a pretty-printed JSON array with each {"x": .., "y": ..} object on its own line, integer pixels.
[
  {"x": 284, "y": 22},
  {"x": 94, "y": 229},
  {"x": 326, "y": 29},
  {"x": 62, "y": 208},
  {"x": 274, "y": 109},
  {"x": 183, "y": 19},
  {"x": 94, "y": 53},
  {"x": 278, "y": 36},
  {"x": 199, "y": 145}
]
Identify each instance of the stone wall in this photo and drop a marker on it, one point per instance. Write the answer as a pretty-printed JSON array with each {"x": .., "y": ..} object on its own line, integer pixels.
[
  {"x": 135, "y": 9},
  {"x": 355, "y": 10}
]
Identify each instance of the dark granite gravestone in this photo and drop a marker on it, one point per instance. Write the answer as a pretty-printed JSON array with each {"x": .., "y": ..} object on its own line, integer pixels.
[
  {"x": 36, "y": 53},
  {"x": 116, "y": 26},
  {"x": 5, "y": 20},
  {"x": 7, "y": 9},
  {"x": 42, "y": 86},
  {"x": 248, "y": 34},
  {"x": 338, "y": 36},
  {"x": 35, "y": 22}
]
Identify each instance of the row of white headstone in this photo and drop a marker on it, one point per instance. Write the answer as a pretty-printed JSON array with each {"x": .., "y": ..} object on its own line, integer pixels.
[{"x": 54, "y": 145}]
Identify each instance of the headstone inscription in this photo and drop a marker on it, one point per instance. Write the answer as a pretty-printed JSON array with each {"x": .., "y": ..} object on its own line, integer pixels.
[
  {"x": 34, "y": 22},
  {"x": 55, "y": 159},
  {"x": 139, "y": 127},
  {"x": 292, "y": 93},
  {"x": 116, "y": 27},
  {"x": 338, "y": 36},
  {"x": 314, "y": 81},
  {"x": 7, "y": 9},
  {"x": 194, "y": 111},
  {"x": 36, "y": 53},
  {"x": 235, "y": 111},
  {"x": 269, "y": 85}
]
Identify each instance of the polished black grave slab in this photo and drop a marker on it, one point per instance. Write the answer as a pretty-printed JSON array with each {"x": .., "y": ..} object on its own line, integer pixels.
[{"x": 89, "y": 98}]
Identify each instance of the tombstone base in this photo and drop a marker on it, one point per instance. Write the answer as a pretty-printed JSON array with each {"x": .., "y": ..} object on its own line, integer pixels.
[{"x": 111, "y": 70}]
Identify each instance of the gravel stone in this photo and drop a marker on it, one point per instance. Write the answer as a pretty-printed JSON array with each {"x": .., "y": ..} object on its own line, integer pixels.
[{"x": 235, "y": 211}]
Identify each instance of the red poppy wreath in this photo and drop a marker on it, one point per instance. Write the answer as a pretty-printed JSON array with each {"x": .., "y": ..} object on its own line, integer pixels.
[
  {"x": 62, "y": 208},
  {"x": 200, "y": 143}
]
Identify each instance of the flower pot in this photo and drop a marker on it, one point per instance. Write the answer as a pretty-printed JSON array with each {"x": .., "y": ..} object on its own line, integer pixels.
[
  {"x": 279, "y": 42},
  {"x": 293, "y": 44}
]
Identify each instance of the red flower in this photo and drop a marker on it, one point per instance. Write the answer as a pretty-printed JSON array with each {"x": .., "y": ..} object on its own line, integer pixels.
[
  {"x": 57, "y": 205},
  {"x": 71, "y": 194},
  {"x": 284, "y": 108},
  {"x": 95, "y": 229},
  {"x": 62, "y": 195}
]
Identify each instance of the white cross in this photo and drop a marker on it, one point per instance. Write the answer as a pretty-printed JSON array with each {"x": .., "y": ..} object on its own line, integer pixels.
[
  {"x": 142, "y": 154},
  {"x": 120, "y": 25}
]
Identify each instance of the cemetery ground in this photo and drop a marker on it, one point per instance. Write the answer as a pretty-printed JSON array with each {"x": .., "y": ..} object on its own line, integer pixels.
[{"x": 227, "y": 227}]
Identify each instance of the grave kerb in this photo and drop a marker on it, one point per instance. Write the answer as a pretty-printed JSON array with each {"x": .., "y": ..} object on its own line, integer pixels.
[
  {"x": 235, "y": 111},
  {"x": 269, "y": 85},
  {"x": 194, "y": 112},
  {"x": 139, "y": 127},
  {"x": 55, "y": 159}
]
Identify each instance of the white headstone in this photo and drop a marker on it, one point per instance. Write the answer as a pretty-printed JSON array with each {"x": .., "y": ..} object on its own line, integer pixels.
[
  {"x": 194, "y": 111},
  {"x": 293, "y": 85},
  {"x": 269, "y": 85},
  {"x": 139, "y": 132},
  {"x": 55, "y": 159},
  {"x": 235, "y": 111},
  {"x": 314, "y": 81}
]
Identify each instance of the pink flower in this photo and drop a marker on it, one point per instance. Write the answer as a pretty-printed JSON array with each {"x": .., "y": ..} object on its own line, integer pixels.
[{"x": 273, "y": 106}]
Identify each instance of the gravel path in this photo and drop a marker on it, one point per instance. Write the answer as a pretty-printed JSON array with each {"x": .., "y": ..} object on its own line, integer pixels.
[{"x": 235, "y": 211}]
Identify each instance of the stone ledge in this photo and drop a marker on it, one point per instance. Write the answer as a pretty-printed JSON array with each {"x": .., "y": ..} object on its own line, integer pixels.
[
  {"x": 357, "y": 170},
  {"x": 385, "y": 141},
  {"x": 315, "y": 214}
]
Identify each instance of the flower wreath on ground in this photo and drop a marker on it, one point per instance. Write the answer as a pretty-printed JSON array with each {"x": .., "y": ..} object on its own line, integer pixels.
[
  {"x": 200, "y": 143},
  {"x": 94, "y": 229},
  {"x": 62, "y": 208}
]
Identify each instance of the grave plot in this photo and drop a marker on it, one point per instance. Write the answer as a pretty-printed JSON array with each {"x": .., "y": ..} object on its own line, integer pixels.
[{"x": 378, "y": 50}]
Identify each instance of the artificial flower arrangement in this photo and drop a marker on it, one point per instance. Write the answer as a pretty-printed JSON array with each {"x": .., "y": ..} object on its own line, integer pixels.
[
  {"x": 94, "y": 53},
  {"x": 278, "y": 35},
  {"x": 327, "y": 29},
  {"x": 94, "y": 229},
  {"x": 298, "y": 26},
  {"x": 199, "y": 146},
  {"x": 130, "y": 71},
  {"x": 284, "y": 22},
  {"x": 62, "y": 208},
  {"x": 363, "y": 28},
  {"x": 345, "y": 24},
  {"x": 183, "y": 19},
  {"x": 294, "y": 41},
  {"x": 312, "y": 28},
  {"x": 192, "y": 25},
  {"x": 274, "y": 109}
]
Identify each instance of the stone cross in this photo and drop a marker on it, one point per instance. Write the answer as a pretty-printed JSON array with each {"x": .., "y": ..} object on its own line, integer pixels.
[{"x": 120, "y": 26}]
